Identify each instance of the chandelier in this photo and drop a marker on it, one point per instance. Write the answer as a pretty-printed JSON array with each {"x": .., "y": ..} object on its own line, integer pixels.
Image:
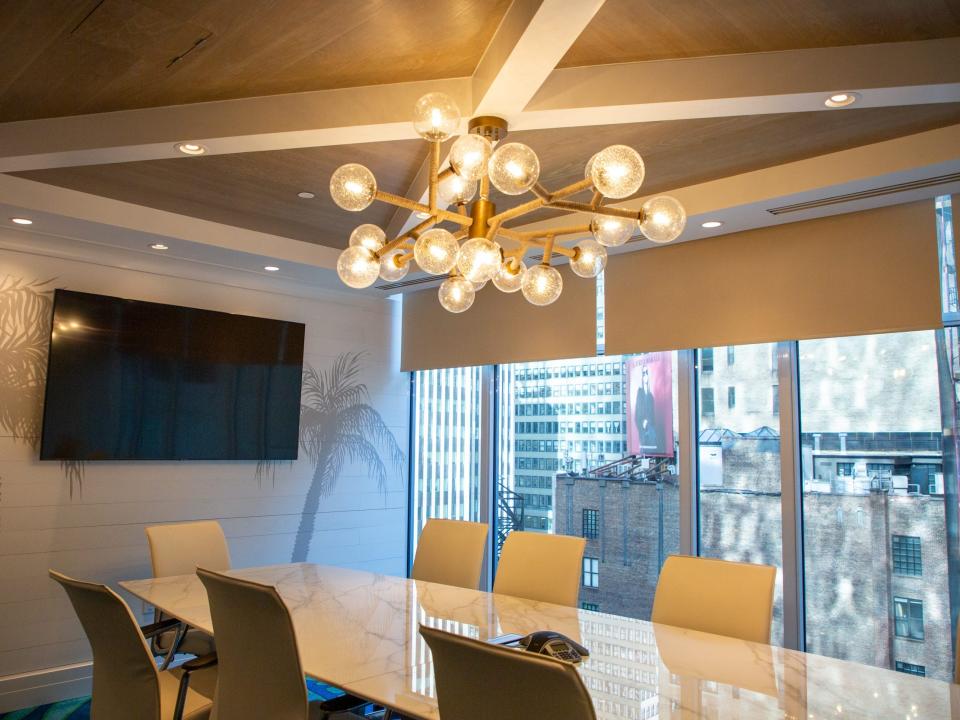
[{"x": 468, "y": 250}]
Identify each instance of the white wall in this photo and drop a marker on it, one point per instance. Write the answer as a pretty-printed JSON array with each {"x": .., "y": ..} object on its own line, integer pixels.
[{"x": 97, "y": 533}]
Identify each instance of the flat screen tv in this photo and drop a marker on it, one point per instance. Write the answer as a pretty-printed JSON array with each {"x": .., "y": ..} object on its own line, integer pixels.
[{"x": 131, "y": 380}]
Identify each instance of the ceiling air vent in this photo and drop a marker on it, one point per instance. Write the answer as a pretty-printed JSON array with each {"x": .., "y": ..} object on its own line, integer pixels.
[
  {"x": 406, "y": 283},
  {"x": 864, "y": 194}
]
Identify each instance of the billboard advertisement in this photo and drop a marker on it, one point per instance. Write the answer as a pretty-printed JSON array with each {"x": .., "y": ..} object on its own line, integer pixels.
[{"x": 650, "y": 404}]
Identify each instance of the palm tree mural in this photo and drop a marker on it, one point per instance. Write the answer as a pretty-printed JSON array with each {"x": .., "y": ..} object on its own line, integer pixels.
[{"x": 337, "y": 425}]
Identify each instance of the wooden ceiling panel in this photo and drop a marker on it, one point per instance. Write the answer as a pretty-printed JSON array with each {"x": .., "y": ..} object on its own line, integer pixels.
[
  {"x": 684, "y": 152},
  {"x": 69, "y": 57},
  {"x": 631, "y": 31},
  {"x": 257, "y": 191}
]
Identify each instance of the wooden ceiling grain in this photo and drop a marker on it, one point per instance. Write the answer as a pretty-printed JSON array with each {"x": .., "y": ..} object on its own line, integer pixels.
[
  {"x": 631, "y": 31},
  {"x": 69, "y": 57},
  {"x": 684, "y": 152},
  {"x": 259, "y": 190}
]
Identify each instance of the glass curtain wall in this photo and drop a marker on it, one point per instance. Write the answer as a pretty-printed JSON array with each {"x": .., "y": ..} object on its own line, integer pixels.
[
  {"x": 738, "y": 435},
  {"x": 588, "y": 447},
  {"x": 874, "y": 517},
  {"x": 446, "y": 447}
]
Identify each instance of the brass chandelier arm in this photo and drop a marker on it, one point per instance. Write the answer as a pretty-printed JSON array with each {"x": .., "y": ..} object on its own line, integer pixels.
[
  {"x": 539, "y": 202},
  {"x": 597, "y": 199},
  {"x": 569, "y": 206},
  {"x": 563, "y": 230},
  {"x": 434, "y": 174},
  {"x": 411, "y": 233}
]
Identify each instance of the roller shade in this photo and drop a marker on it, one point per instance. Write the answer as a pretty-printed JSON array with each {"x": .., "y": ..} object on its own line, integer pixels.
[
  {"x": 866, "y": 272},
  {"x": 499, "y": 328}
]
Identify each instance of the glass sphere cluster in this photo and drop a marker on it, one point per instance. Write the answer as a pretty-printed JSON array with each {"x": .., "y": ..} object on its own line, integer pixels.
[{"x": 615, "y": 173}]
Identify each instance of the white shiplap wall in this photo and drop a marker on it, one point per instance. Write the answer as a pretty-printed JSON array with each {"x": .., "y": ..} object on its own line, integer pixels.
[{"x": 98, "y": 533}]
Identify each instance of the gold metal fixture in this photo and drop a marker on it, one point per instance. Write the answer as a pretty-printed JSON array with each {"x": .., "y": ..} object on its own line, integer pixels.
[{"x": 471, "y": 241}]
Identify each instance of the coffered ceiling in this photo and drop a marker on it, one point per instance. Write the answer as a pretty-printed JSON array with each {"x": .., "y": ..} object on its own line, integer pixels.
[{"x": 95, "y": 94}]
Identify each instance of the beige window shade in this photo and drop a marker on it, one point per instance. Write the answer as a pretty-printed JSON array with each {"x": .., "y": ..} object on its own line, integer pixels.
[
  {"x": 499, "y": 328},
  {"x": 865, "y": 272}
]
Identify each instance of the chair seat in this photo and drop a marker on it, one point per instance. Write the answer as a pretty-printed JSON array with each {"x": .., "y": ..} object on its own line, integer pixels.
[{"x": 203, "y": 684}]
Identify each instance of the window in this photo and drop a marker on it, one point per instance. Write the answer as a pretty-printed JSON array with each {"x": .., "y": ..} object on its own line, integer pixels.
[
  {"x": 706, "y": 360},
  {"x": 906, "y": 556},
  {"x": 590, "y": 523},
  {"x": 739, "y": 469},
  {"x": 731, "y": 397},
  {"x": 591, "y": 572},
  {"x": 590, "y": 606},
  {"x": 910, "y": 668},
  {"x": 731, "y": 354},
  {"x": 706, "y": 401},
  {"x": 844, "y": 469},
  {"x": 908, "y": 618}
]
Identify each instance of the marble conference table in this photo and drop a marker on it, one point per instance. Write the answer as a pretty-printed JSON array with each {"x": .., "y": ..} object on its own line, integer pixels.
[{"x": 358, "y": 631}]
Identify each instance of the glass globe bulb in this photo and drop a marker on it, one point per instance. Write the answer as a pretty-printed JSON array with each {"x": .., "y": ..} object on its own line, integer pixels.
[
  {"x": 390, "y": 267},
  {"x": 479, "y": 259},
  {"x": 456, "y": 294},
  {"x": 369, "y": 236},
  {"x": 478, "y": 286},
  {"x": 454, "y": 190},
  {"x": 617, "y": 171},
  {"x": 353, "y": 187},
  {"x": 358, "y": 267},
  {"x": 510, "y": 275},
  {"x": 436, "y": 116},
  {"x": 663, "y": 219},
  {"x": 513, "y": 168},
  {"x": 436, "y": 251},
  {"x": 590, "y": 260},
  {"x": 541, "y": 284},
  {"x": 469, "y": 156},
  {"x": 588, "y": 169},
  {"x": 612, "y": 231}
]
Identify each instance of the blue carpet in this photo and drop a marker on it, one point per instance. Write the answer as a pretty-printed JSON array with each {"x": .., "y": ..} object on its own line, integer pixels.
[{"x": 79, "y": 708}]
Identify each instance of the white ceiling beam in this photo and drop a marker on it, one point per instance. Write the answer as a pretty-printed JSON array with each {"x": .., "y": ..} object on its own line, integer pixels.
[
  {"x": 277, "y": 122},
  {"x": 908, "y": 73},
  {"x": 525, "y": 49}
]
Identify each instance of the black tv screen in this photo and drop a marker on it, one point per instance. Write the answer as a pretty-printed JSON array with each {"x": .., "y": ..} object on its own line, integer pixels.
[{"x": 131, "y": 380}]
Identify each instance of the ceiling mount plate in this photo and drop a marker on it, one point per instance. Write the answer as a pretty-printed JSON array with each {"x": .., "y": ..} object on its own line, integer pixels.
[{"x": 491, "y": 127}]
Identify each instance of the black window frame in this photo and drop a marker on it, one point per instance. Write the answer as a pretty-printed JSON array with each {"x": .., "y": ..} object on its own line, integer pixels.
[{"x": 590, "y": 520}]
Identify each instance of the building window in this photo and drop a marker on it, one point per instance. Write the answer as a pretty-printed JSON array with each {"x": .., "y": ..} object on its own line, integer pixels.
[
  {"x": 906, "y": 556},
  {"x": 731, "y": 397},
  {"x": 706, "y": 401},
  {"x": 844, "y": 469},
  {"x": 591, "y": 523},
  {"x": 731, "y": 355},
  {"x": 880, "y": 470},
  {"x": 706, "y": 360},
  {"x": 590, "y": 606},
  {"x": 910, "y": 668},
  {"x": 591, "y": 572},
  {"x": 908, "y": 618}
]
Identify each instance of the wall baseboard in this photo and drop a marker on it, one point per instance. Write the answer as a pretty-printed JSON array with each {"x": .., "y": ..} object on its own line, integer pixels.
[{"x": 39, "y": 687}]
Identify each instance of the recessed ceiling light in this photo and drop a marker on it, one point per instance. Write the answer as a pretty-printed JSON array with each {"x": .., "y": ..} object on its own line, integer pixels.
[
  {"x": 270, "y": 268},
  {"x": 189, "y": 148},
  {"x": 306, "y": 195},
  {"x": 21, "y": 221},
  {"x": 159, "y": 246},
  {"x": 712, "y": 224},
  {"x": 843, "y": 99}
]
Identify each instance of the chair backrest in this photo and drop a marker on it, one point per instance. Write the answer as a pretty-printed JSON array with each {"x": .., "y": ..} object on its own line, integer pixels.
[
  {"x": 125, "y": 682},
  {"x": 451, "y": 552},
  {"x": 180, "y": 548},
  {"x": 478, "y": 680},
  {"x": 716, "y": 596},
  {"x": 541, "y": 567},
  {"x": 259, "y": 675}
]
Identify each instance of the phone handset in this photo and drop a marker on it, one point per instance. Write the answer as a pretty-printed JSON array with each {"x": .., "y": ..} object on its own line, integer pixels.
[{"x": 554, "y": 644}]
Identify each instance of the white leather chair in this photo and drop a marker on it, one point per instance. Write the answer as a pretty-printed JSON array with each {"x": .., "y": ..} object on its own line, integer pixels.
[
  {"x": 260, "y": 674},
  {"x": 179, "y": 549},
  {"x": 451, "y": 552},
  {"x": 126, "y": 682},
  {"x": 537, "y": 566},
  {"x": 716, "y": 596},
  {"x": 475, "y": 680}
]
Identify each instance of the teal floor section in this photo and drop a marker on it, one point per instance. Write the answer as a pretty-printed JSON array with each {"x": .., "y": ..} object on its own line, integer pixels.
[{"x": 79, "y": 708}]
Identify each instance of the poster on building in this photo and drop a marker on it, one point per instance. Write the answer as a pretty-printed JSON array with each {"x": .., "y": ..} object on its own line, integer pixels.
[{"x": 650, "y": 404}]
